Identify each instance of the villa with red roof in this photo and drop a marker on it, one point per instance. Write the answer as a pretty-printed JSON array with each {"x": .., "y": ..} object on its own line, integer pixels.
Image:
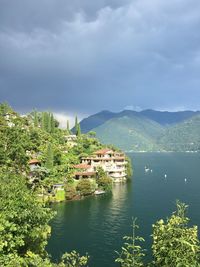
[
  {"x": 84, "y": 171},
  {"x": 112, "y": 162}
]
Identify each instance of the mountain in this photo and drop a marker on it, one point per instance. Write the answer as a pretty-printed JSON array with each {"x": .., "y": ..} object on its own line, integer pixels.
[
  {"x": 148, "y": 130},
  {"x": 130, "y": 132},
  {"x": 95, "y": 120},
  {"x": 162, "y": 117},
  {"x": 167, "y": 118},
  {"x": 184, "y": 136}
]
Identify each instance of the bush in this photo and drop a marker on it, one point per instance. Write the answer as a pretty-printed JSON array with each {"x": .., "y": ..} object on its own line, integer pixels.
[
  {"x": 85, "y": 187},
  {"x": 105, "y": 183},
  {"x": 70, "y": 191},
  {"x": 175, "y": 243}
]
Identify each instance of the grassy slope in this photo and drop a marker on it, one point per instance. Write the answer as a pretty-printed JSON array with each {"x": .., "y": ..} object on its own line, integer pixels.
[{"x": 130, "y": 133}]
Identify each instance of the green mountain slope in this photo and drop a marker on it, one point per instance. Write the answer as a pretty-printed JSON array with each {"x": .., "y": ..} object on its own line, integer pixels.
[
  {"x": 130, "y": 133},
  {"x": 168, "y": 118},
  {"x": 183, "y": 136},
  {"x": 162, "y": 117}
]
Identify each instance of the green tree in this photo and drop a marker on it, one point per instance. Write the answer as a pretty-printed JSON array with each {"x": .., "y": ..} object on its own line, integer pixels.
[
  {"x": 76, "y": 124},
  {"x": 131, "y": 254},
  {"x": 45, "y": 121},
  {"x": 92, "y": 134},
  {"x": 100, "y": 172},
  {"x": 78, "y": 131},
  {"x": 35, "y": 119},
  {"x": 5, "y": 109},
  {"x": 74, "y": 259},
  {"x": 85, "y": 187},
  {"x": 68, "y": 127},
  {"x": 23, "y": 220},
  {"x": 70, "y": 190},
  {"x": 49, "y": 123},
  {"x": 52, "y": 123},
  {"x": 105, "y": 183},
  {"x": 14, "y": 143},
  {"x": 174, "y": 242},
  {"x": 49, "y": 157}
]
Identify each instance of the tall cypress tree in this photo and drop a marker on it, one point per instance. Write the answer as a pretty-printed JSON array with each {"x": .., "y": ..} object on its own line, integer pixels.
[
  {"x": 76, "y": 124},
  {"x": 78, "y": 132},
  {"x": 49, "y": 157},
  {"x": 35, "y": 118},
  {"x": 52, "y": 123},
  {"x": 68, "y": 127},
  {"x": 48, "y": 122},
  {"x": 43, "y": 121}
]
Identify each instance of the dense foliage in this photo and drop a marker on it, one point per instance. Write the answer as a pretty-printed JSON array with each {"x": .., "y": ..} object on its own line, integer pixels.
[
  {"x": 175, "y": 244},
  {"x": 85, "y": 187}
]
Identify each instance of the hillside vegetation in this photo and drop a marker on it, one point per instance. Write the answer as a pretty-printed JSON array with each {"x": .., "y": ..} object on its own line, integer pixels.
[
  {"x": 183, "y": 136},
  {"x": 133, "y": 133},
  {"x": 148, "y": 130}
]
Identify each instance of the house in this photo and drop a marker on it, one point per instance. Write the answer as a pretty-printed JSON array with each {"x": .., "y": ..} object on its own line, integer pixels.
[
  {"x": 33, "y": 164},
  {"x": 71, "y": 140},
  {"x": 112, "y": 162},
  {"x": 84, "y": 171}
]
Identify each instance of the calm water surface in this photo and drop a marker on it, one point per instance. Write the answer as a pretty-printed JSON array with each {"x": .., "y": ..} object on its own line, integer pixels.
[{"x": 97, "y": 224}]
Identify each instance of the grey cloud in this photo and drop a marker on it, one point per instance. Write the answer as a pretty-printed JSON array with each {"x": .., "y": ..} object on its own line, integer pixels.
[{"x": 87, "y": 56}]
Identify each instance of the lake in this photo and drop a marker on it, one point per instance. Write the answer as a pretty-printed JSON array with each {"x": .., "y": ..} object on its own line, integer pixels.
[{"x": 97, "y": 224}]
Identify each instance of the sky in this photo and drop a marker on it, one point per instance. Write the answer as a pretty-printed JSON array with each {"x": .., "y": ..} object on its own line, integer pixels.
[{"x": 82, "y": 56}]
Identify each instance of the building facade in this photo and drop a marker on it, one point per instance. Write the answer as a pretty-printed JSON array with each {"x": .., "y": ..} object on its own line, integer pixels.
[{"x": 112, "y": 162}]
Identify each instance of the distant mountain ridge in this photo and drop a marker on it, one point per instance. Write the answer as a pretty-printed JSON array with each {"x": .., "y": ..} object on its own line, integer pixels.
[
  {"x": 147, "y": 130},
  {"x": 161, "y": 117},
  {"x": 167, "y": 117}
]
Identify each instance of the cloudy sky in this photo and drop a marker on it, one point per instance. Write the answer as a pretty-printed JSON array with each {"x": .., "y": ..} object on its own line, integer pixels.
[{"x": 84, "y": 56}]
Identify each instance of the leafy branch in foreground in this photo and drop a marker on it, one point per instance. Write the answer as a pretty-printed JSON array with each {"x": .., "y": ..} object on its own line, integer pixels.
[
  {"x": 174, "y": 242},
  {"x": 131, "y": 253}
]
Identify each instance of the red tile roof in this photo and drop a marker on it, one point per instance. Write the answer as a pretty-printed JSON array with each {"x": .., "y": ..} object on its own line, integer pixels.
[
  {"x": 104, "y": 151},
  {"x": 82, "y": 166},
  {"x": 33, "y": 161},
  {"x": 85, "y": 173}
]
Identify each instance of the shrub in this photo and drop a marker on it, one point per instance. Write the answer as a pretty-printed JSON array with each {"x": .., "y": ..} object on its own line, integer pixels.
[
  {"x": 105, "y": 183},
  {"x": 85, "y": 187},
  {"x": 70, "y": 191}
]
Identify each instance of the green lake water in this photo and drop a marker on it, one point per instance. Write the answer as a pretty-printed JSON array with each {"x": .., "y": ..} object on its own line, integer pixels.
[{"x": 97, "y": 224}]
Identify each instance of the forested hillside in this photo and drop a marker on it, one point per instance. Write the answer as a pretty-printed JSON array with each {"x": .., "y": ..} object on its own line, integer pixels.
[
  {"x": 147, "y": 130},
  {"x": 182, "y": 137},
  {"x": 130, "y": 133},
  {"x": 24, "y": 216}
]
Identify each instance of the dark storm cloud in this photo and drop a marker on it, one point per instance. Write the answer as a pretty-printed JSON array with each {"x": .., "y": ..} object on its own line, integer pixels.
[{"x": 90, "y": 55}]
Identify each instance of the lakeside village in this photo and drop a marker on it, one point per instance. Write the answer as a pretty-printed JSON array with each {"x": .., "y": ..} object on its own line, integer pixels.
[
  {"x": 106, "y": 165},
  {"x": 59, "y": 164}
]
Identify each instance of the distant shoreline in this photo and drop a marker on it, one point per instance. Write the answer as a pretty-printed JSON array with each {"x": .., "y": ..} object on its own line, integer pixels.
[{"x": 130, "y": 151}]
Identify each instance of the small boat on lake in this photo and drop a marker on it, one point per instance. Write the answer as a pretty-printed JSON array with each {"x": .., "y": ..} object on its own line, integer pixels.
[
  {"x": 146, "y": 169},
  {"x": 99, "y": 192}
]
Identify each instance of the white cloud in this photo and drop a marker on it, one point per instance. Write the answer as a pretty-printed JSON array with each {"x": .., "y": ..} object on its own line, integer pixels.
[{"x": 62, "y": 117}]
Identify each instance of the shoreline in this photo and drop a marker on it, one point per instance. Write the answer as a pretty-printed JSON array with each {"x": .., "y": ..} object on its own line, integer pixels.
[{"x": 191, "y": 152}]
